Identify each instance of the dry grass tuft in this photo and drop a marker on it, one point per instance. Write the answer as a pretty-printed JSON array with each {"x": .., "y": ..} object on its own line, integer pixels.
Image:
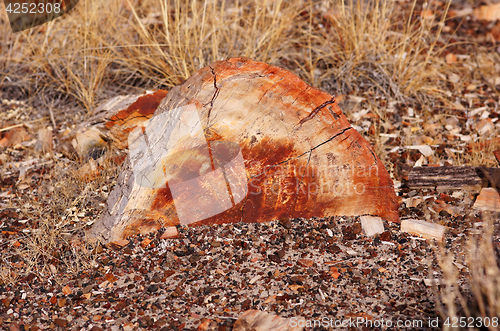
[
  {"x": 58, "y": 212},
  {"x": 481, "y": 299},
  {"x": 340, "y": 45},
  {"x": 368, "y": 45}
]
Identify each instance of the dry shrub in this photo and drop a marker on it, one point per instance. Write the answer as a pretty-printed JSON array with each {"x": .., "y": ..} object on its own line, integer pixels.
[{"x": 479, "y": 299}]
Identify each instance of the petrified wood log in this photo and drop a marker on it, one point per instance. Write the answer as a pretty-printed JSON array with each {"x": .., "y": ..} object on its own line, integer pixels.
[{"x": 245, "y": 141}]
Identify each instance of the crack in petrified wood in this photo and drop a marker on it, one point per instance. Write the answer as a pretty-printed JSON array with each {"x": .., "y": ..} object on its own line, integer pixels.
[{"x": 316, "y": 110}]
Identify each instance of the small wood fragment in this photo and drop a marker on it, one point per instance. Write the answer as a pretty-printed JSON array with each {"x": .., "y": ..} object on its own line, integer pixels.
[
  {"x": 488, "y": 199},
  {"x": 485, "y": 127},
  {"x": 422, "y": 228},
  {"x": 372, "y": 225},
  {"x": 170, "y": 233},
  {"x": 489, "y": 12},
  {"x": 262, "y": 321},
  {"x": 87, "y": 141},
  {"x": 112, "y": 122},
  {"x": 13, "y": 137},
  {"x": 119, "y": 243},
  {"x": 497, "y": 155},
  {"x": 43, "y": 143}
]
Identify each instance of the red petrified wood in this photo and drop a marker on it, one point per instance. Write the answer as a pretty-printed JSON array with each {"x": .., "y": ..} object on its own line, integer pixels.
[{"x": 245, "y": 141}]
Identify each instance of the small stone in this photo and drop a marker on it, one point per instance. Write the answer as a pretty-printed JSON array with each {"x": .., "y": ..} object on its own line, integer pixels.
[
  {"x": 61, "y": 302},
  {"x": 170, "y": 233},
  {"x": 274, "y": 258},
  {"x": 145, "y": 242},
  {"x": 119, "y": 243},
  {"x": 87, "y": 289},
  {"x": 194, "y": 258},
  {"x": 348, "y": 233},
  {"x": 286, "y": 223},
  {"x": 153, "y": 288},
  {"x": 204, "y": 325},
  {"x": 66, "y": 290},
  {"x": 246, "y": 304},
  {"x": 334, "y": 272},
  {"x": 356, "y": 228},
  {"x": 96, "y": 328},
  {"x": 61, "y": 322},
  {"x": 372, "y": 225},
  {"x": 121, "y": 305},
  {"x": 451, "y": 58},
  {"x": 385, "y": 236},
  {"x": 306, "y": 263}
]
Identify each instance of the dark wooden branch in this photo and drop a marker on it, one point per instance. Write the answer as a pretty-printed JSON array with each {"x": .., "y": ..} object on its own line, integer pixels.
[{"x": 453, "y": 177}]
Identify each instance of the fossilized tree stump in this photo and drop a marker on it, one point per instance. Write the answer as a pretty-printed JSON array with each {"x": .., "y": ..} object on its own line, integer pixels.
[{"x": 244, "y": 141}]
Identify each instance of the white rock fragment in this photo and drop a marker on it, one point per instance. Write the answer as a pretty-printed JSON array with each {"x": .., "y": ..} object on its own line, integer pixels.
[
  {"x": 432, "y": 281},
  {"x": 351, "y": 252},
  {"x": 372, "y": 225},
  {"x": 425, "y": 229},
  {"x": 426, "y": 150},
  {"x": 253, "y": 280},
  {"x": 421, "y": 161}
]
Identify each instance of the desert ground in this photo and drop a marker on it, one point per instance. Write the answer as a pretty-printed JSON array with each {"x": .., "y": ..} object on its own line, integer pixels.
[{"x": 420, "y": 81}]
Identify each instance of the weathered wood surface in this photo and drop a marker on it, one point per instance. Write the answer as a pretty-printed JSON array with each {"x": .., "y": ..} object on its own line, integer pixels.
[
  {"x": 111, "y": 124},
  {"x": 460, "y": 177},
  {"x": 281, "y": 148}
]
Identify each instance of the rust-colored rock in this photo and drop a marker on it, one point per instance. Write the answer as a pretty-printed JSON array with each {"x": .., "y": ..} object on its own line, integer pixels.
[{"x": 245, "y": 141}]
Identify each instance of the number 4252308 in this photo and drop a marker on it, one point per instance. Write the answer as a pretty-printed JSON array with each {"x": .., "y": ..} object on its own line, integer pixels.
[
  {"x": 471, "y": 322},
  {"x": 33, "y": 8}
]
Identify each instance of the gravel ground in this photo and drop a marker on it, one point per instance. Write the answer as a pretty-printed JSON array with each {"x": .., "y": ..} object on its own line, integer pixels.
[{"x": 322, "y": 269}]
